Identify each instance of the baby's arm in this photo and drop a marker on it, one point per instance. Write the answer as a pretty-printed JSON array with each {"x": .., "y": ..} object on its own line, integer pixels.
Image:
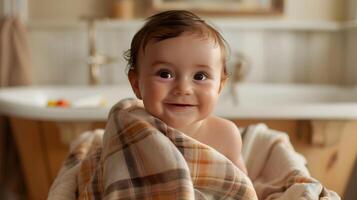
[
  {"x": 223, "y": 135},
  {"x": 233, "y": 147}
]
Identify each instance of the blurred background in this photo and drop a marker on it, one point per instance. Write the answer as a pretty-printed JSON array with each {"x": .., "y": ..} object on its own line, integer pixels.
[
  {"x": 285, "y": 41},
  {"x": 307, "y": 41}
]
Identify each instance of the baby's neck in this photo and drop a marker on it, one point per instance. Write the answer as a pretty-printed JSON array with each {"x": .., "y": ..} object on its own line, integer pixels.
[{"x": 192, "y": 130}]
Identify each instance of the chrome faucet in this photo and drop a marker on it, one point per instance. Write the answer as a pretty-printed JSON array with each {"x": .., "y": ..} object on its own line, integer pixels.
[
  {"x": 95, "y": 60},
  {"x": 239, "y": 72}
]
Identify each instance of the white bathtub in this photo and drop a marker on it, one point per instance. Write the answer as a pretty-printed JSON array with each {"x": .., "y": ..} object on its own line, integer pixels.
[{"x": 255, "y": 101}]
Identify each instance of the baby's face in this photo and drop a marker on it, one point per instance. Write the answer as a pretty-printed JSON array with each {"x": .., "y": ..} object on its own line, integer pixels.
[{"x": 179, "y": 79}]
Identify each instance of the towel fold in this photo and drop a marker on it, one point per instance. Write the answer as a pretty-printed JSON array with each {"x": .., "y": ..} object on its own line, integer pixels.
[
  {"x": 276, "y": 170},
  {"x": 140, "y": 157}
]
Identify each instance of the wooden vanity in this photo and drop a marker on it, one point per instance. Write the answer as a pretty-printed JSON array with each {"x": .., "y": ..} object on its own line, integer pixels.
[
  {"x": 42, "y": 149},
  {"x": 43, "y": 145}
]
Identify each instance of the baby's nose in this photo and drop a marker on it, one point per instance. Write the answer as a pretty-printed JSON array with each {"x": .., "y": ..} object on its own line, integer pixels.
[{"x": 183, "y": 87}]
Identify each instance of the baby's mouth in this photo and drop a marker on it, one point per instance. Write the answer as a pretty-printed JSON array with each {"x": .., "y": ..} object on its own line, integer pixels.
[{"x": 180, "y": 105}]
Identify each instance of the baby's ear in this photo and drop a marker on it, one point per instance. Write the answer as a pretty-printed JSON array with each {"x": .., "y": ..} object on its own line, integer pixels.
[
  {"x": 134, "y": 82},
  {"x": 222, "y": 84}
]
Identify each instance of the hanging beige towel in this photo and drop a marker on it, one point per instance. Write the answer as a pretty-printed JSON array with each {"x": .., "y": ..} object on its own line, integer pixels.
[
  {"x": 14, "y": 71},
  {"x": 14, "y": 53}
]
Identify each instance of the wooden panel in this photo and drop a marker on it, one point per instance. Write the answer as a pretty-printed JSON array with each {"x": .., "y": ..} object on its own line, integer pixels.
[
  {"x": 332, "y": 165},
  {"x": 56, "y": 150},
  {"x": 351, "y": 192},
  {"x": 288, "y": 126},
  {"x": 30, "y": 145},
  {"x": 98, "y": 125}
]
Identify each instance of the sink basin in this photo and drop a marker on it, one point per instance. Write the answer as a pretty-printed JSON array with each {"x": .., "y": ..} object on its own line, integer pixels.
[{"x": 254, "y": 101}]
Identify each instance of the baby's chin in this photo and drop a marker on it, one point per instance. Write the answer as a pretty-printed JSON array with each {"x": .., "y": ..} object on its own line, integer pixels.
[
  {"x": 176, "y": 124},
  {"x": 173, "y": 124}
]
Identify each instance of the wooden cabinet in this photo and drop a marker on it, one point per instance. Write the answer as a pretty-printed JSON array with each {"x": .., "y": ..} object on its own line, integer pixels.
[
  {"x": 43, "y": 147},
  {"x": 42, "y": 150}
]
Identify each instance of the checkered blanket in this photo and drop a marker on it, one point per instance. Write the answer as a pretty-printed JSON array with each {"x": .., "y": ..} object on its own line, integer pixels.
[
  {"x": 140, "y": 157},
  {"x": 277, "y": 171}
]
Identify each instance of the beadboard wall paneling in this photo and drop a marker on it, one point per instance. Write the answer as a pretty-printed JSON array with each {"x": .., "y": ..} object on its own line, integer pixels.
[
  {"x": 276, "y": 56},
  {"x": 351, "y": 45},
  {"x": 58, "y": 57},
  {"x": 114, "y": 43},
  {"x": 250, "y": 44},
  {"x": 351, "y": 58},
  {"x": 325, "y": 58},
  {"x": 279, "y": 56},
  {"x": 352, "y": 9}
]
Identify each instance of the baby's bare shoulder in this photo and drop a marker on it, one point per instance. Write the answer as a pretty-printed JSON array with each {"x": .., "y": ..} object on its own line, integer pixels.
[
  {"x": 225, "y": 137},
  {"x": 226, "y": 133},
  {"x": 223, "y": 126}
]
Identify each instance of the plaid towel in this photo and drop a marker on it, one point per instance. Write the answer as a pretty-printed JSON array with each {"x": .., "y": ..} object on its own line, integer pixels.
[
  {"x": 140, "y": 157},
  {"x": 277, "y": 171}
]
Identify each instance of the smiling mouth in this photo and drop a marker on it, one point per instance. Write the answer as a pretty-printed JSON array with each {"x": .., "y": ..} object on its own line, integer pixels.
[
  {"x": 179, "y": 105},
  {"x": 180, "y": 108}
]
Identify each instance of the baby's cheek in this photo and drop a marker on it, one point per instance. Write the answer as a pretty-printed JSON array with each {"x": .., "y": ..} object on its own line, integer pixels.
[
  {"x": 211, "y": 91},
  {"x": 209, "y": 99}
]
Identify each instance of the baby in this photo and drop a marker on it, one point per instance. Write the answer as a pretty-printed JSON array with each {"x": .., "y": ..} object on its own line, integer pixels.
[{"x": 177, "y": 66}]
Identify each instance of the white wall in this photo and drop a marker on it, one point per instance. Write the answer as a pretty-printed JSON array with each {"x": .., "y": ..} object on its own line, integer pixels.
[
  {"x": 352, "y": 9},
  {"x": 288, "y": 56},
  {"x": 351, "y": 45},
  {"x": 351, "y": 58},
  {"x": 1, "y": 7},
  {"x": 11, "y": 7},
  {"x": 59, "y": 55}
]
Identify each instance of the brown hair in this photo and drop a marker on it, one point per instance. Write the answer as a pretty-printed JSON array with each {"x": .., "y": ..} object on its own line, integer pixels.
[{"x": 170, "y": 24}]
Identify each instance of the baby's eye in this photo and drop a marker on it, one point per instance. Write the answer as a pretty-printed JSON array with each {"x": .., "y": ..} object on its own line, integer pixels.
[
  {"x": 164, "y": 74},
  {"x": 200, "y": 76}
]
